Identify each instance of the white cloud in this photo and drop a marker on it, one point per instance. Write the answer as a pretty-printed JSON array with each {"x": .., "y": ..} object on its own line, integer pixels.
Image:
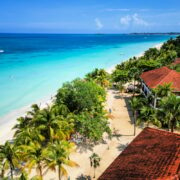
[
  {"x": 138, "y": 21},
  {"x": 125, "y": 20},
  {"x": 99, "y": 24},
  {"x": 134, "y": 19}
]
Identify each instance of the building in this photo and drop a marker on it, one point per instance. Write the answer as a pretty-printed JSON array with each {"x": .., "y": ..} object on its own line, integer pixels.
[
  {"x": 153, "y": 154},
  {"x": 177, "y": 61},
  {"x": 152, "y": 79}
]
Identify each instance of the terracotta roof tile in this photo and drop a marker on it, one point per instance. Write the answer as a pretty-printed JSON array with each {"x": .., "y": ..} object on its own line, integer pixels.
[
  {"x": 177, "y": 61},
  {"x": 153, "y": 154},
  {"x": 160, "y": 76}
]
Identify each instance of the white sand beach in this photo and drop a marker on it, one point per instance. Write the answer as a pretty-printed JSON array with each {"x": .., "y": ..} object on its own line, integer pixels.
[
  {"x": 111, "y": 69},
  {"x": 122, "y": 128},
  {"x": 121, "y": 125},
  {"x": 9, "y": 120}
]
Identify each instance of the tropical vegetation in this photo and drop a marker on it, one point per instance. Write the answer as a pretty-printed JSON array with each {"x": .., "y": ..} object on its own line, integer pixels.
[
  {"x": 45, "y": 137},
  {"x": 94, "y": 162},
  {"x": 167, "y": 113}
]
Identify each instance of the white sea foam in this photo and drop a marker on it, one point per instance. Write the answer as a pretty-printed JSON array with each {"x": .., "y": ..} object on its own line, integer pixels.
[{"x": 1, "y": 51}]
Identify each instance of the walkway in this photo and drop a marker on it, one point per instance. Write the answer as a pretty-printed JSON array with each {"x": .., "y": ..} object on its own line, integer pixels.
[{"x": 122, "y": 135}]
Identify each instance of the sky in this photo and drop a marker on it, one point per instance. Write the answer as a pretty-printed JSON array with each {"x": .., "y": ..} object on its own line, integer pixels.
[{"x": 89, "y": 16}]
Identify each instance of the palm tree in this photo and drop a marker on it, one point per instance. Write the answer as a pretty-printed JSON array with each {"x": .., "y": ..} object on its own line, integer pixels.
[
  {"x": 23, "y": 176},
  {"x": 27, "y": 135},
  {"x": 35, "y": 109},
  {"x": 170, "y": 110},
  {"x": 164, "y": 90},
  {"x": 27, "y": 121},
  {"x": 2, "y": 167},
  {"x": 135, "y": 73},
  {"x": 45, "y": 121},
  {"x": 148, "y": 115},
  {"x": 60, "y": 109},
  {"x": 34, "y": 155},
  {"x": 9, "y": 157},
  {"x": 23, "y": 122},
  {"x": 94, "y": 161},
  {"x": 53, "y": 126},
  {"x": 100, "y": 76},
  {"x": 57, "y": 154},
  {"x": 135, "y": 104}
]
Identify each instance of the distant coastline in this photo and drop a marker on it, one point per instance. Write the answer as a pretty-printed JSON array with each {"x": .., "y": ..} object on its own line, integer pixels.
[
  {"x": 157, "y": 33},
  {"x": 111, "y": 69}
]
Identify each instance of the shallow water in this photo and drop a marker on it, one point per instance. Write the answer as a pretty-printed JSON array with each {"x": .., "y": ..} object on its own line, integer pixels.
[{"x": 34, "y": 66}]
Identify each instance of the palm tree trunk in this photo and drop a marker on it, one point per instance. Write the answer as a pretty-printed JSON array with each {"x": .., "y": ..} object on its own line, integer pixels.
[
  {"x": 2, "y": 174},
  {"x": 134, "y": 123},
  {"x": 11, "y": 169},
  {"x": 2, "y": 171},
  {"x": 172, "y": 126},
  {"x": 94, "y": 172},
  {"x": 169, "y": 125},
  {"x": 134, "y": 88},
  {"x": 40, "y": 171},
  {"x": 59, "y": 172}
]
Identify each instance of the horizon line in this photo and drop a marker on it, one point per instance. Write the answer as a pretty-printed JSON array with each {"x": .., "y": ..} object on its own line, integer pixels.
[{"x": 90, "y": 33}]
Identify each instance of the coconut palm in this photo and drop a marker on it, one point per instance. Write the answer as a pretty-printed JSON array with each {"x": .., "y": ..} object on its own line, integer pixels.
[
  {"x": 53, "y": 126},
  {"x": 100, "y": 76},
  {"x": 164, "y": 90},
  {"x": 134, "y": 73},
  {"x": 148, "y": 115},
  {"x": 23, "y": 122},
  {"x": 34, "y": 155},
  {"x": 46, "y": 121},
  {"x": 170, "y": 111},
  {"x": 2, "y": 167},
  {"x": 60, "y": 109},
  {"x": 23, "y": 176},
  {"x": 9, "y": 157},
  {"x": 27, "y": 121},
  {"x": 34, "y": 110},
  {"x": 94, "y": 161},
  {"x": 27, "y": 135},
  {"x": 135, "y": 104},
  {"x": 57, "y": 154}
]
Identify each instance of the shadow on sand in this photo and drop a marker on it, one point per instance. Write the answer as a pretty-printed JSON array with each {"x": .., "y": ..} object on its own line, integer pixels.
[
  {"x": 83, "y": 177},
  {"x": 121, "y": 147},
  {"x": 84, "y": 147}
]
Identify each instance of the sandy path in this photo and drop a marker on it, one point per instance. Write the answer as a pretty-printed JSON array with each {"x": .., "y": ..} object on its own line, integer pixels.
[{"x": 109, "y": 150}]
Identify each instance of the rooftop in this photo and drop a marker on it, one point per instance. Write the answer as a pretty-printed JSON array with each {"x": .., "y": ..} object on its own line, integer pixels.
[
  {"x": 153, "y": 154},
  {"x": 177, "y": 61},
  {"x": 161, "y": 76}
]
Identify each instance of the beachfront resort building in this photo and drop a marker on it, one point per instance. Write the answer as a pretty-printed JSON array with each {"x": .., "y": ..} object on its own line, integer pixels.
[
  {"x": 153, "y": 154},
  {"x": 164, "y": 75}
]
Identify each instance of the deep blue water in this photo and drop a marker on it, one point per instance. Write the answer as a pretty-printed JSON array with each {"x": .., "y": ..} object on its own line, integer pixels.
[{"x": 34, "y": 66}]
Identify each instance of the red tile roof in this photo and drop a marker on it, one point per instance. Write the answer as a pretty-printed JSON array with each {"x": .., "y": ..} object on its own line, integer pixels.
[
  {"x": 160, "y": 76},
  {"x": 153, "y": 154},
  {"x": 177, "y": 61}
]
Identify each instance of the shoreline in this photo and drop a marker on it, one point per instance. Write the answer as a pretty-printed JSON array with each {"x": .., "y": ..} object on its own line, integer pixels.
[
  {"x": 157, "y": 46},
  {"x": 6, "y": 132}
]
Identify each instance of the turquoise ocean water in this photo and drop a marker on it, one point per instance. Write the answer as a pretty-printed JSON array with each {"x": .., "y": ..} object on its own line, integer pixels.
[{"x": 34, "y": 66}]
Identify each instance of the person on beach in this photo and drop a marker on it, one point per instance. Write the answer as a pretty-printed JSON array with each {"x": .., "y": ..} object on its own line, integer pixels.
[{"x": 110, "y": 111}]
